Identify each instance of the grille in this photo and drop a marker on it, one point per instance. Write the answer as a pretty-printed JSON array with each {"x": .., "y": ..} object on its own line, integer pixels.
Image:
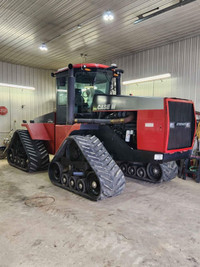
[{"x": 182, "y": 125}]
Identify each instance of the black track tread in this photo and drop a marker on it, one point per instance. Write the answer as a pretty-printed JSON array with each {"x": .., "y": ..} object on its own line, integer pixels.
[
  {"x": 112, "y": 180},
  {"x": 111, "y": 177},
  {"x": 35, "y": 150},
  {"x": 169, "y": 170}
]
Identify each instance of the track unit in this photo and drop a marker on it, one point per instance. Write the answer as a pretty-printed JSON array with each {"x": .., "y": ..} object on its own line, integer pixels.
[
  {"x": 83, "y": 165},
  {"x": 27, "y": 154}
]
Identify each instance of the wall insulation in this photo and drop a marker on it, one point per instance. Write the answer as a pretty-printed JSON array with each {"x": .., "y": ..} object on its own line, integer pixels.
[
  {"x": 23, "y": 104},
  {"x": 181, "y": 59}
]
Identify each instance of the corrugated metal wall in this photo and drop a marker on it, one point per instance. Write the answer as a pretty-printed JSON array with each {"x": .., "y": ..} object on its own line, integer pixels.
[
  {"x": 181, "y": 59},
  {"x": 23, "y": 103}
]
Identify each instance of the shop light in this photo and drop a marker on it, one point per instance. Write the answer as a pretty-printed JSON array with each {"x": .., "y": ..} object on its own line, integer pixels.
[
  {"x": 108, "y": 16},
  {"x": 43, "y": 47},
  {"x": 147, "y": 79},
  {"x": 17, "y": 86}
]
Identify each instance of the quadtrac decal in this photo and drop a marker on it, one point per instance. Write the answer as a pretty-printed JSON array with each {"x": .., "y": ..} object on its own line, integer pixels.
[{"x": 180, "y": 124}]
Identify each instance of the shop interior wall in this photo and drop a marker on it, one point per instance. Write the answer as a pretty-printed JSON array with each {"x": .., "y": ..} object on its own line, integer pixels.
[
  {"x": 181, "y": 59},
  {"x": 23, "y": 104}
]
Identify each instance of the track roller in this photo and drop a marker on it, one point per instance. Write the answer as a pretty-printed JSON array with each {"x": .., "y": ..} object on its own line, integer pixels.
[
  {"x": 141, "y": 172},
  {"x": 83, "y": 165},
  {"x": 72, "y": 182},
  {"x": 131, "y": 170},
  {"x": 81, "y": 185},
  {"x": 65, "y": 179}
]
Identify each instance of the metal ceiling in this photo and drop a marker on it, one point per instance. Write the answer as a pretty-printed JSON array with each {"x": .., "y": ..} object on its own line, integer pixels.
[{"x": 25, "y": 24}]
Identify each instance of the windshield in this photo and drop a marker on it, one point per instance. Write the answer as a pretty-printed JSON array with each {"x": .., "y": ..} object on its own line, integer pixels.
[{"x": 87, "y": 84}]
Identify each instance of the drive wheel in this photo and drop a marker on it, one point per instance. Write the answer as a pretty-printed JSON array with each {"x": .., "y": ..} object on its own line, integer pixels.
[
  {"x": 154, "y": 172},
  {"x": 74, "y": 152},
  {"x": 141, "y": 173},
  {"x": 93, "y": 185}
]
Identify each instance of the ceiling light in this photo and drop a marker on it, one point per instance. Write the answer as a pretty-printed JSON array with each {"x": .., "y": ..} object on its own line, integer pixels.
[
  {"x": 147, "y": 79},
  {"x": 17, "y": 86},
  {"x": 43, "y": 47},
  {"x": 108, "y": 16}
]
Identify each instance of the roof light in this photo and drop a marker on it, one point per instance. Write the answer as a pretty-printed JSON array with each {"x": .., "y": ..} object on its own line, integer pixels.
[
  {"x": 147, "y": 79},
  {"x": 43, "y": 47},
  {"x": 108, "y": 15},
  {"x": 17, "y": 86}
]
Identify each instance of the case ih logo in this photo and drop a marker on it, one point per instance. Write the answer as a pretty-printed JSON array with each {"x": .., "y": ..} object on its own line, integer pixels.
[
  {"x": 3, "y": 110},
  {"x": 105, "y": 106}
]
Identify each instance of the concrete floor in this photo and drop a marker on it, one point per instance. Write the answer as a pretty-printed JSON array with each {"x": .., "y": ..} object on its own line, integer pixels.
[{"x": 148, "y": 225}]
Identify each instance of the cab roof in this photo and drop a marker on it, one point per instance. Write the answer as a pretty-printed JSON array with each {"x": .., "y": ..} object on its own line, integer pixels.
[{"x": 87, "y": 65}]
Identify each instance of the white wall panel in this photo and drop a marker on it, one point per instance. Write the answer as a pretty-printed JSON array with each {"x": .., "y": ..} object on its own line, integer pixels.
[
  {"x": 181, "y": 59},
  {"x": 23, "y": 103}
]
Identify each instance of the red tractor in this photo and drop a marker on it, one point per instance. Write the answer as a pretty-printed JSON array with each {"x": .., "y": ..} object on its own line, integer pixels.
[{"x": 99, "y": 135}]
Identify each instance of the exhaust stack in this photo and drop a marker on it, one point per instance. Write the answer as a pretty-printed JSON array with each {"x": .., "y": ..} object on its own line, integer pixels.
[{"x": 71, "y": 96}]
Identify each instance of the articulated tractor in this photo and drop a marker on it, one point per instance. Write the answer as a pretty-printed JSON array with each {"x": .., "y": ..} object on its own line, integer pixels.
[{"x": 99, "y": 136}]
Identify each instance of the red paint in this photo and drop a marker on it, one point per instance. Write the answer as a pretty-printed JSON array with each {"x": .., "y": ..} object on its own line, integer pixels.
[
  {"x": 63, "y": 131},
  {"x": 156, "y": 138},
  {"x": 151, "y": 138},
  {"x": 3, "y": 110},
  {"x": 52, "y": 134},
  {"x": 88, "y": 65},
  {"x": 43, "y": 131}
]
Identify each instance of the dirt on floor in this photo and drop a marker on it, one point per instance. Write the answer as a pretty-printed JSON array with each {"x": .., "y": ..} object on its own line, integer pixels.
[{"x": 147, "y": 225}]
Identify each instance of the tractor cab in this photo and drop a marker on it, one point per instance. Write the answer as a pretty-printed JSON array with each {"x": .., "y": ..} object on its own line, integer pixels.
[{"x": 89, "y": 80}]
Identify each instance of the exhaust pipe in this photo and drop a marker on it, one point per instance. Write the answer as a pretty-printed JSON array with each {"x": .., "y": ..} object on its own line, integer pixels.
[{"x": 71, "y": 96}]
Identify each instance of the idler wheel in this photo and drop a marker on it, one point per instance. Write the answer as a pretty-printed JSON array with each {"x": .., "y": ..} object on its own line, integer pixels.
[
  {"x": 56, "y": 170},
  {"x": 154, "y": 172},
  {"x": 141, "y": 173},
  {"x": 93, "y": 184},
  {"x": 10, "y": 156}
]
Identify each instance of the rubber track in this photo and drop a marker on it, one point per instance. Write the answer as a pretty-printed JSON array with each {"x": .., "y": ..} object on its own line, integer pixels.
[
  {"x": 36, "y": 153},
  {"x": 169, "y": 172},
  {"x": 111, "y": 177}
]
